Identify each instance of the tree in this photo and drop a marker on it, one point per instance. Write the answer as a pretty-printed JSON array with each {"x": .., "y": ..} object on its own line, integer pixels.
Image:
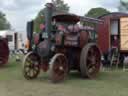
[
  {"x": 59, "y": 4},
  {"x": 4, "y": 24},
  {"x": 123, "y": 7},
  {"x": 39, "y": 20},
  {"x": 95, "y": 13}
]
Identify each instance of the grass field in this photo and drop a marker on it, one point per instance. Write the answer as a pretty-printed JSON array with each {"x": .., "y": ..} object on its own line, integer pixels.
[{"x": 12, "y": 83}]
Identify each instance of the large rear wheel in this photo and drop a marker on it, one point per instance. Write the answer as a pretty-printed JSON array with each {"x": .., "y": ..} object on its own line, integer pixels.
[
  {"x": 90, "y": 61},
  {"x": 31, "y": 65}
]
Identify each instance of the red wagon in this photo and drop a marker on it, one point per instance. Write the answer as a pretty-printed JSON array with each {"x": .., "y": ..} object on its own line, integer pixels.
[{"x": 114, "y": 33}]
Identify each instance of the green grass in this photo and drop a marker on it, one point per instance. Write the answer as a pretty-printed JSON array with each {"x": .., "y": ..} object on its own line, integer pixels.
[{"x": 12, "y": 83}]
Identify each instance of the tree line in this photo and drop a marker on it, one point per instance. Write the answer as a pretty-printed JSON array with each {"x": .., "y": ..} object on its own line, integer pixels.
[{"x": 4, "y": 24}]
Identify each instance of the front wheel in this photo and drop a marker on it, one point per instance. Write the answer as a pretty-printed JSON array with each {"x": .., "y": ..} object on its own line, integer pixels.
[
  {"x": 31, "y": 65},
  {"x": 90, "y": 60},
  {"x": 58, "y": 68}
]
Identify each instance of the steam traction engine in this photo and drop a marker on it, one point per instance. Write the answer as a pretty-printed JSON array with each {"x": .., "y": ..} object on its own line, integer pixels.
[{"x": 62, "y": 46}]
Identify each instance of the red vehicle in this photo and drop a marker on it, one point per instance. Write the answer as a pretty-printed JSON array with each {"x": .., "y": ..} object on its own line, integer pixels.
[
  {"x": 62, "y": 46},
  {"x": 113, "y": 33}
]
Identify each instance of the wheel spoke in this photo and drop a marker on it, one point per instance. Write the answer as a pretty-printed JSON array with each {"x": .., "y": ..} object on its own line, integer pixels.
[
  {"x": 93, "y": 61},
  {"x": 35, "y": 63},
  {"x": 36, "y": 68},
  {"x": 92, "y": 71},
  {"x": 29, "y": 60},
  {"x": 32, "y": 73},
  {"x": 26, "y": 69}
]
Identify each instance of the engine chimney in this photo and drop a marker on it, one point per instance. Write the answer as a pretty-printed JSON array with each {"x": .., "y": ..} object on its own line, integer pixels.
[{"x": 48, "y": 18}]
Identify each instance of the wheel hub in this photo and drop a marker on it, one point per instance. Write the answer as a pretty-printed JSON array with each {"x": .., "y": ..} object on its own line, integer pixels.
[{"x": 61, "y": 68}]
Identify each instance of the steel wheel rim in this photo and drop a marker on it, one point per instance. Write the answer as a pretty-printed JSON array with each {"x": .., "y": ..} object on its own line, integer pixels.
[
  {"x": 31, "y": 66},
  {"x": 59, "y": 69},
  {"x": 93, "y": 61}
]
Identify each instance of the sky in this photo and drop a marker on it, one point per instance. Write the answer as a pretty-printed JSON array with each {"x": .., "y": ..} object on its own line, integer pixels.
[{"x": 18, "y": 12}]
